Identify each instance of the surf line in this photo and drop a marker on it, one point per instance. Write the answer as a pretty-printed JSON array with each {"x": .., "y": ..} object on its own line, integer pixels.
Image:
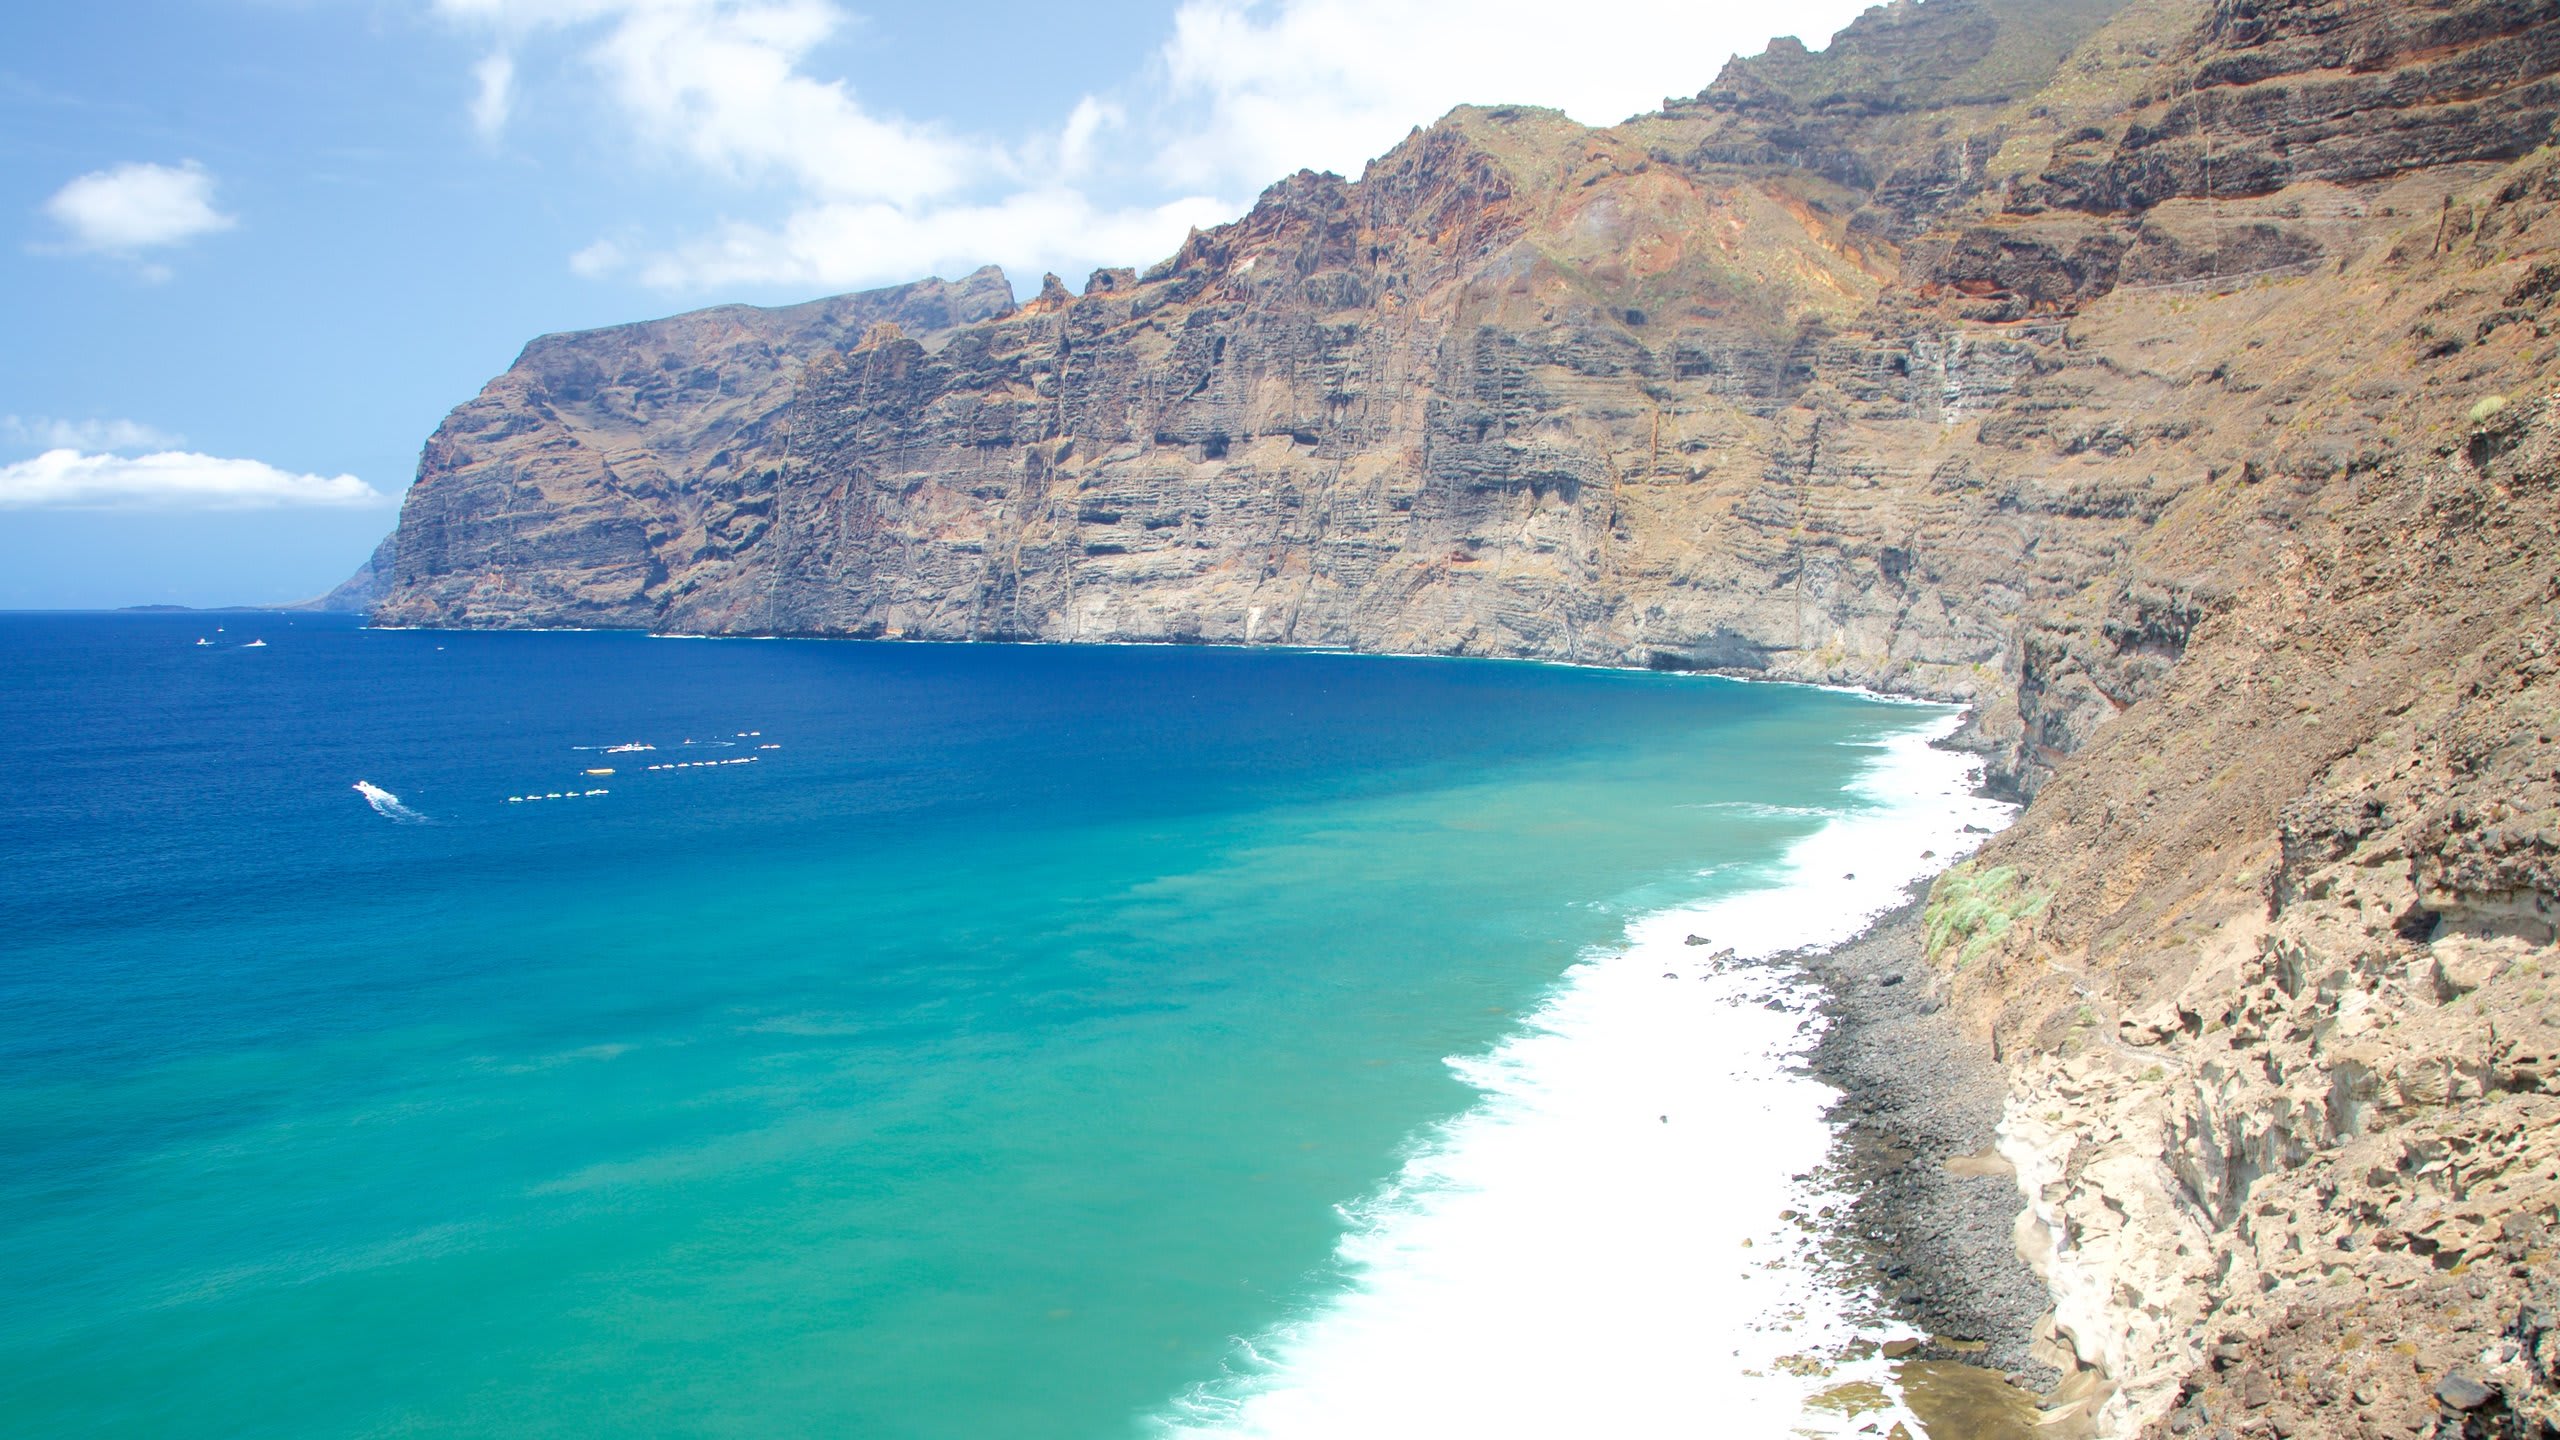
[{"x": 1612, "y": 1239}]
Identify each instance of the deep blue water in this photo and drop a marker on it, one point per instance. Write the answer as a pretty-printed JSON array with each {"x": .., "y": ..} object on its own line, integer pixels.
[{"x": 979, "y": 1062}]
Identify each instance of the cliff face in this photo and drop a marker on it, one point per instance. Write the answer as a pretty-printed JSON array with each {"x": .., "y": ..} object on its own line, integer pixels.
[
  {"x": 1526, "y": 388},
  {"x": 2283, "y": 1029},
  {"x": 2173, "y": 379},
  {"x": 606, "y": 468}
]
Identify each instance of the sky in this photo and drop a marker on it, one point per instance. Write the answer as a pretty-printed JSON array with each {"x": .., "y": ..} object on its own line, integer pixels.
[{"x": 251, "y": 251}]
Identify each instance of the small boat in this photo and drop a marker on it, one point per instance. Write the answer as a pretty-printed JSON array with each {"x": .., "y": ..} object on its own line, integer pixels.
[
  {"x": 601, "y": 770},
  {"x": 255, "y": 645},
  {"x": 202, "y": 641}
]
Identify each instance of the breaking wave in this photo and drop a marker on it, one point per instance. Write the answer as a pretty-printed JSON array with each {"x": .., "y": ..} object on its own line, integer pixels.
[
  {"x": 1758, "y": 811},
  {"x": 1609, "y": 1242}
]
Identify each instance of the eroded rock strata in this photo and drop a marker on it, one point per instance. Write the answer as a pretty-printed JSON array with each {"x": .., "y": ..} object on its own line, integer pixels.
[{"x": 2173, "y": 380}]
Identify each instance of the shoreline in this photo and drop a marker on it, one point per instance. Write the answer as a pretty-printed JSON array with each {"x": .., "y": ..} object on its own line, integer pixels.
[
  {"x": 1645, "y": 1194},
  {"x": 1963, "y": 702},
  {"x": 1933, "y": 1204}
]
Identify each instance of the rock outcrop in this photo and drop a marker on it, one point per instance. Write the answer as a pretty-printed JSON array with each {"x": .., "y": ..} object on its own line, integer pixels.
[{"x": 2175, "y": 381}]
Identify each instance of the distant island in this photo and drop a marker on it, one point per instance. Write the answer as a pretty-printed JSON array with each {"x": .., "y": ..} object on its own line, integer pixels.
[{"x": 203, "y": 609}]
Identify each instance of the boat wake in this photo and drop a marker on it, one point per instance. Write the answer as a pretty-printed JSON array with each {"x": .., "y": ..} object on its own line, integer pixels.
[{"x": 387, "y": 805}]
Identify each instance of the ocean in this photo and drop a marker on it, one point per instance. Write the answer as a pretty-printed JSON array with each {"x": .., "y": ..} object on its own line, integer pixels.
[{"x": 920, "y": 1040}]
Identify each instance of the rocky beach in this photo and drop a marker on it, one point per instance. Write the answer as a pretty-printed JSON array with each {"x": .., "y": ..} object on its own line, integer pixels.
[{"x": 1935, "y": 1205}]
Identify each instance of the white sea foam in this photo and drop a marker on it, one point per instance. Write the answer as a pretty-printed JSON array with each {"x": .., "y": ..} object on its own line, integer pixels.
[
  {"x": 386, "y": 804},
  {"x": 1759, "y": 811},
  {"x": 1597, "y": 1246}
]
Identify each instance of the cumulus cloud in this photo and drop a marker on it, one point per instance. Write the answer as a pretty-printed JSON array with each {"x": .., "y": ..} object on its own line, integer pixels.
[
  {"x": 66, "y": 479},
  {"x": 864, "y": 197},
  {"x": 721, "y": 83},
  {"x": 1085, "y": 126},
  {"x": 137, "y": 207},
  {"x": 1269, "y": 86},
  {"x": 1239, "y": 94},
  {"x": 52, "y": 434}
]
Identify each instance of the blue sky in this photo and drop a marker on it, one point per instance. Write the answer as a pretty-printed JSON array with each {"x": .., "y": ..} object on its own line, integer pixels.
[{"x": 257, "y": 248}]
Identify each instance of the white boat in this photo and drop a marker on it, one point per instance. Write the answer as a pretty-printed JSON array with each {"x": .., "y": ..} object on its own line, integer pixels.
[
  {"x": 202, "y": 641},
  {"x": 255, "y": 645}
]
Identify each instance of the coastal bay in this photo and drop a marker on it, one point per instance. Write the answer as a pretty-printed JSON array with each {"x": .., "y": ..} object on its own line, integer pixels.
[{"x": 1019, "y": 1035}]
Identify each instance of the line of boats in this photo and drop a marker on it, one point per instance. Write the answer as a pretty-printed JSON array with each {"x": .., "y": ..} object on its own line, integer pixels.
[{"x": 635, "y": 747}]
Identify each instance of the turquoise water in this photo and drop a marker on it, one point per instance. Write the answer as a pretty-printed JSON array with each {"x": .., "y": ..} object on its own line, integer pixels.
[{"x": 980, "y": 1062}]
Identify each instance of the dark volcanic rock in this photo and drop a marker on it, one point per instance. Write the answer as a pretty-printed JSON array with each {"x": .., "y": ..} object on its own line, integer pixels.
[{"x": 1919, "y": 1113}]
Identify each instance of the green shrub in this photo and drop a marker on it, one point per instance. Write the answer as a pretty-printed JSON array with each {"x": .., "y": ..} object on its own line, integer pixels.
[{"x": 1971, "y": 908}]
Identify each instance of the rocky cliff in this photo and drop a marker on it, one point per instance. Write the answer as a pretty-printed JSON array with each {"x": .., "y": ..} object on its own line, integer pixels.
[{"x": 2173, "y": 380}]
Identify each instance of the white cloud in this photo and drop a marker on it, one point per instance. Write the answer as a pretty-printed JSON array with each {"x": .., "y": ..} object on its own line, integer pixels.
[
  {"x": 491, "y": 103},
  {"x": 842, "y": 244},
  {"x": 1270, "y": 86},
  {"x": 1085, "y": 125},
  {"x": 597, "y": 261},
  {"x": 137, "y": 207},
  {"x": 85, "y": 434},
  {"x": 66, "y": 479},
  {"x": 1240, "y": 94},
  {"x": 720, "y": 82},
  {"x": 866, "y": 198}
]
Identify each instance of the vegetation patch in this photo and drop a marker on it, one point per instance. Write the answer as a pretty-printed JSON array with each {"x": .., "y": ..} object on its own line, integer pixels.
[{"x": 1970, "y": 908}]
